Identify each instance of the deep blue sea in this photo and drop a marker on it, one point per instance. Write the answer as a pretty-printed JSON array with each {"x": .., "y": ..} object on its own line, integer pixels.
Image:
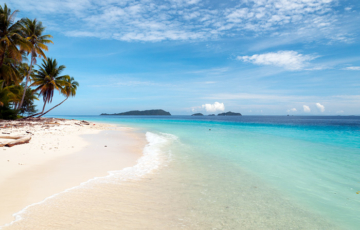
[{"x": 300, "y": 172}]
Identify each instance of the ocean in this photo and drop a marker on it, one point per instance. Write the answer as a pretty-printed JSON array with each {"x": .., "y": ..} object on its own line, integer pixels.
[{"x": 249, "y": 172}]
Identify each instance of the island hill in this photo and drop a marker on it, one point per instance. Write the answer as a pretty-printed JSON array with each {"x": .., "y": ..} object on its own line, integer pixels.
[
  {"x": 229, "y": 114},
  {"x": 220, "y": 114},
  {"x": 153, "y": 112}
]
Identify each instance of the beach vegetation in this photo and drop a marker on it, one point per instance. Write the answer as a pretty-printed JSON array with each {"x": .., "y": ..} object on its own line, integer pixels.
[
  {"x": 32, "y": 31},
  {"x": 12, "y": 43},
  {"x": 22, "y": 81},
  {"x": 68, "y": 90},
  {"x": 48, "y": 79}
]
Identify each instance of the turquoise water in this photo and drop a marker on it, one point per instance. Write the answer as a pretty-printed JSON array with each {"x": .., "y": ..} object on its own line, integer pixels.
[{"x": 311, "y": 162}]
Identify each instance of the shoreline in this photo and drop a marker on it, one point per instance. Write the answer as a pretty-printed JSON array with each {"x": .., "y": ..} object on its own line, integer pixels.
[
  {"x": 60, "y": 158},
  {"x": 170, "y": 198}
]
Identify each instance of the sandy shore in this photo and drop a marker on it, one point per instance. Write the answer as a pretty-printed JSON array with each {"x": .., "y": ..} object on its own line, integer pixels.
[{"x": 61, "y": 154}]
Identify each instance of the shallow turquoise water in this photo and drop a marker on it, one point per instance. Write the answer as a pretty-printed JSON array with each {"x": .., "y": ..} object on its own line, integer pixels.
[{"x": 312, "y": 161}]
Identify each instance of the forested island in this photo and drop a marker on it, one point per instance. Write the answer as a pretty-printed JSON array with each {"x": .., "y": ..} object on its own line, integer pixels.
[
  {"x": 197, "y": 114},
  {"x": 229, "y": 114},
  {"x": 153, "y": 112}
]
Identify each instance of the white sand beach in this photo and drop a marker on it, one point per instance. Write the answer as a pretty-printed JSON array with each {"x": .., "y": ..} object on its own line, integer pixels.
[{"x": 60, "y": 155}]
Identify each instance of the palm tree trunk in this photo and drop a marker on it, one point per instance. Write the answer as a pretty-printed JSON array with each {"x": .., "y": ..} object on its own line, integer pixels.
[
  {"x": 27, "y": 81},
  {"x": 53, "y": 107},
  {"x": 37, "y": 113},
  {"x": 2, "y": 58}
]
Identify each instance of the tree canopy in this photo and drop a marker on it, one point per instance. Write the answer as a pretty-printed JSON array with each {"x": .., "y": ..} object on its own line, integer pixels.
[{"x": 22, "y": 82}]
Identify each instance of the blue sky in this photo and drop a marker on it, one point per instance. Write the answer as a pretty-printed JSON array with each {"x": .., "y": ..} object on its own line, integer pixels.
[{"x": 269, "y": 57}]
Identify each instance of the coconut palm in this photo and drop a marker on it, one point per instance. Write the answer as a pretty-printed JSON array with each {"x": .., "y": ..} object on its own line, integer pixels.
[
  {"x": 33, "y": 30},
  {"x": 48, "y": 79},
  {"x": 68, "y": 90},
  {"x": 7, "y": 96},
  {"x": 9, "y": 72},
  {"x": 11, "y": 41},
  {"x": 4, "y": 94},
  {"x": 28, "y": 106},
  {"x": 13, "y": 72}
]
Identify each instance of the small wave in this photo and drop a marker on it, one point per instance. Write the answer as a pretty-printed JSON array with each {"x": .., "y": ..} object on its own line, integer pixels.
[{"x": 153, "y": 157}]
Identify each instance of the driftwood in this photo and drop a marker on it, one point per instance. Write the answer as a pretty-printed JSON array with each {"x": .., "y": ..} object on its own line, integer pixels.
[
  {"x": 51, "y": 123},
  {"x": 85, "y": 122},
  {"x": 10, "y": 141}
]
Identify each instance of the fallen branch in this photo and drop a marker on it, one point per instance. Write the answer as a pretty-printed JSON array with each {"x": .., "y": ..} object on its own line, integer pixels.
[{"x": 10, "y": 141}]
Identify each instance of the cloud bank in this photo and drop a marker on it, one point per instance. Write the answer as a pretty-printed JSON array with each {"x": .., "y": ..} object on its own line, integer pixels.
[
  {"x": 290, "y": 60},
  {"x": 352, "y": 68},
  {"x": 320, "y": 107},
  {"x": 158, "y": 20},
  {"x": 306, "y": 109},
  {"x": 214, "y": 107}
]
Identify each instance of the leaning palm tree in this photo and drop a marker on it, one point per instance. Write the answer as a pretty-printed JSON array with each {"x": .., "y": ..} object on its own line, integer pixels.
[
  {"x": 33, "y": 30},
  {"x": 48, "y": 79},
  {"x": 11, "y": 40},
  {"x": 68, "y": 90}
]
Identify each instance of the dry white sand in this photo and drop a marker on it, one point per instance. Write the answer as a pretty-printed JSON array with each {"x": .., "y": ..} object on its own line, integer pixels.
[{"x": 61, "y": 156}]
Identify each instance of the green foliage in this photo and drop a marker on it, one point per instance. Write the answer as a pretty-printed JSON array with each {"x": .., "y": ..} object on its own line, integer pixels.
[
  {"x": 28, "y": 107},
  {"x": 49, "y": 78},
  {"x": 19, "y": 39},
  {"x": 70, "y": 86},
  {"x": 32, "y": 31},
  {"x": 11, "y": 40},
  {"x": 8, "y": 113}
]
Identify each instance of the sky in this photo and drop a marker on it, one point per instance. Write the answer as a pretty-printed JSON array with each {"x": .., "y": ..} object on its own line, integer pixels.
[{"x": 256, "y": 57}]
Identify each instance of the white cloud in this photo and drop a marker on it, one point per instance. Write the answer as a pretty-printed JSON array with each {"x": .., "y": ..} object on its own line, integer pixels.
[
  {"x": 306, "y": 109},
  {"x": 214, "y": 107},
  {"x": 153, "y": 20},
  {"x": 292, "y": 110},
  {"x": 291, "y": 60},
  {"x": 320, "y": 107},
  {"x": 352, "y": 68}
]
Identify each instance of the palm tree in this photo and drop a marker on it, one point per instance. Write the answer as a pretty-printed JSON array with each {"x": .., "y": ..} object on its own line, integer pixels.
[
  {"x": 7, "y": 96},
  {"x": 9, "y": 72},
  {"x": 10, "y": 94},
  {"x": 48, "y": 79},
  {"x": 28, "y": 105},
  {"x": 68, "y": 90},
  {"x": 33, "y": 30},
  {"x": 10, "y": 36}
]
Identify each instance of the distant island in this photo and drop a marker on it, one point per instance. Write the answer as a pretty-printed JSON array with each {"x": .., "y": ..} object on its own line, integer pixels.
[
  {"x": 211, "y": 115},
  {"x": 229, "y": 114},
  {"x": 153, "y": 112},
  {"x": 197, "y": 114}
]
